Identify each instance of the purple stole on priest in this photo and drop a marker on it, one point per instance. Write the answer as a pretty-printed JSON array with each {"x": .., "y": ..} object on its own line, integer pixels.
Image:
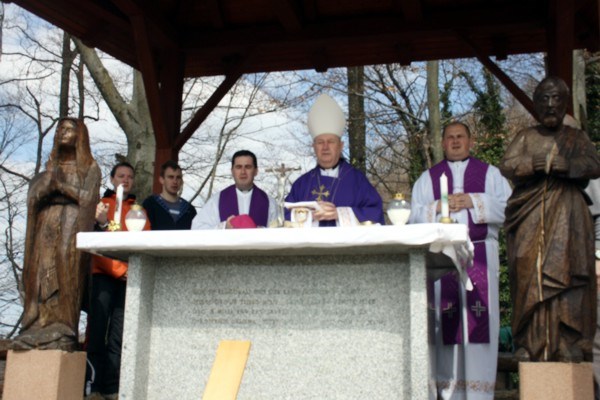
[
  {"x": 259, "y": 205},
  {"x": 477, "y": 300}
]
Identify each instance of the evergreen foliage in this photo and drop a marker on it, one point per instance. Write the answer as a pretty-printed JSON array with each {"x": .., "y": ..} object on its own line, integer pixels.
[{"x": 592, "y": 85}]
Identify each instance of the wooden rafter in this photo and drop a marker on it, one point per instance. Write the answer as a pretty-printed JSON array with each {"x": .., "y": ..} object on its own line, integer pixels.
[
  {"x": 149, "y": 70},
  {"x": 411, "y": 10},
  {"x": 508, "y": 83},
  {"x": 206, "y": 109},
  {"x": 215, "y": 13},
  {"x": 168, "y": 40},
  {"x": 561, "y": 40},
  {"x": 163, "y": 30},
  {"x": 288, "y": 13}
]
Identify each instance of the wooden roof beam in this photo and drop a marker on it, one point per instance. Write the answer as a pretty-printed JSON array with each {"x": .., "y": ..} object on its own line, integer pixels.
[
  {"x": 206, "y": 109},
  {"x": 288, "y": 13},
  {"x": 561, "y": 42},
  {"x": 508, "y": 83},
  {"x": 215, "y": 13},
  {"x": 320, "y": 59},
  {"x": 149, "y": 69},
  {"x": 166, "y": 32},
  {"x": 405, "y": 53},
  {"x": 411, "y": 10},
  {"x": 236, "y": 66}
]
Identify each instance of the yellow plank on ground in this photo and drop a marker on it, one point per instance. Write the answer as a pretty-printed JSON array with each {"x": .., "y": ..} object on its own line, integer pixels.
[{"x": 227, "y": 370}]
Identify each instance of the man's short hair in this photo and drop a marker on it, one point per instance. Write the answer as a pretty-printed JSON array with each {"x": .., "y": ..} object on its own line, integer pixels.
[
  {"x": 244, "y": 153},
  {"x": 453, "y": 123},
  {"x": 113, "y": 171},
  {"x": 169, "y": 164}
]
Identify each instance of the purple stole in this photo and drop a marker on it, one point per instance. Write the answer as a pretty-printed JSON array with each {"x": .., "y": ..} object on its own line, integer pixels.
[
  {"x": 259, "y": 205},
  {"x": 478, "y": 319}
]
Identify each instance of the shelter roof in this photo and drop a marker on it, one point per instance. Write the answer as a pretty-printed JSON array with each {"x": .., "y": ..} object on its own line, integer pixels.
[{"x": 218, "y": 36}]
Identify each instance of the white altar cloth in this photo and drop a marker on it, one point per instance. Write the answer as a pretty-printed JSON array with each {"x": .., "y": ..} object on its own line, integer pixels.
[{"x": 449, "y": 239}]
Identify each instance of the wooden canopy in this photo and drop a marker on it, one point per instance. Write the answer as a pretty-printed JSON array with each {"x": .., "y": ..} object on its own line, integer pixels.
[{"x": 168, "y": 40}]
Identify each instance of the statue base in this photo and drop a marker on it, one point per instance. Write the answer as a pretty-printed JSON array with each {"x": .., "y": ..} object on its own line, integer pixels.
[
  {"x": 556, "y": 381},
  {"x": 44, "y": 374}
]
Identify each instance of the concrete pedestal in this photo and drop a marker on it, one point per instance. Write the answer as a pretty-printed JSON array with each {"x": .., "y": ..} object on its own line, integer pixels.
[
  {"x": 44, "y": 374},
  {"x": 556, "y": 381},
  {"x": 331, "y": 313}
]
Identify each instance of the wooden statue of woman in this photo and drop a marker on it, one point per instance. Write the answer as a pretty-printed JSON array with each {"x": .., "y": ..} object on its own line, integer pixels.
[{"x": 61, "y": 202}]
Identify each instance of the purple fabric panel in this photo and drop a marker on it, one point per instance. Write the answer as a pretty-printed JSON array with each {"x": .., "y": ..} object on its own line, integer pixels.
[
  {"x": 228, "y": 204},
  {"x": 478, "y": 299},
  {"x": 259, "y": 207},
  {"x": 475, "y": 183},
  {"x": 450, "y": 309}
]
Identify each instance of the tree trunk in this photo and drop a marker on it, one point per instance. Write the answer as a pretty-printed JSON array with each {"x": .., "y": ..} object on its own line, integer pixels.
[
  {"x": 579, "y": 98},
  {"x": 356, "y": 117},
  {"x": 433, "y": 106},
  {"x": 133, "y": 118},
  {"x": 141, "y": 143},
  {"x": 68, "y": 56}
]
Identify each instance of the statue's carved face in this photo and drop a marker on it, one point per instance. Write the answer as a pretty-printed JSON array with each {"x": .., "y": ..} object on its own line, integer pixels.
[
  {"x": 550, "y": 101},
  {"x": 67, "y": 133}
]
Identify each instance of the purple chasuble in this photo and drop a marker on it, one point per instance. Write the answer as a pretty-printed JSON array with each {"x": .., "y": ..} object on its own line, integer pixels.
[
  {"x": 350, "y": 189},
  {"x": 477, "y": 300},
  {"x": 259, "y": 205}
]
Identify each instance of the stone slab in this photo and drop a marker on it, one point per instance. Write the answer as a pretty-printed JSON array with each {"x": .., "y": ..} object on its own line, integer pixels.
[
  {"x": 555, "y": 381},
  {"x": 321, "y": 327},
  {"x": 44, "y": 374}
]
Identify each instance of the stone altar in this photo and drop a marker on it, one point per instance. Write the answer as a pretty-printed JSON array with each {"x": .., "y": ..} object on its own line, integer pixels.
[{"x": 332, "y": 313}]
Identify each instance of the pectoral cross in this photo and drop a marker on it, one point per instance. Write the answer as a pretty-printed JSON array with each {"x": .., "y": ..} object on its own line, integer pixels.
[{"x": 321, "y": 193}]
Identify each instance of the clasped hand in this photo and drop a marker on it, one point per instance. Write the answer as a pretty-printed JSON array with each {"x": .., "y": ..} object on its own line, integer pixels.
[
  {"x": 547, "y": 163},
  {"x": 327, "y": 211},
  {"x": 459, "y": 201}
]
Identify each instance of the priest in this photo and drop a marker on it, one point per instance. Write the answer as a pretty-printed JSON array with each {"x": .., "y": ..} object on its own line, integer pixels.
[
  {"x": 465, "y": 356},
  {"x": 343, "y": 195},
  {"x": 241, "y": 205}
]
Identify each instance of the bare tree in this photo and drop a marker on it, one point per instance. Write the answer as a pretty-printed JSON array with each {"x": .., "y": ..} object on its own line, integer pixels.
[{"x": 133, "y": 117}]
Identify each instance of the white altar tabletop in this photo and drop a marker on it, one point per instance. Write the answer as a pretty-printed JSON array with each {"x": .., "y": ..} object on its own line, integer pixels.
[{"x": 449, "y": 239}]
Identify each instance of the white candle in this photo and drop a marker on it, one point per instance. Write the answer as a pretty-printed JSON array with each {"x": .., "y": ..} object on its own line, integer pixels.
[
  {"x": 119, "y": 204},
  {"x": 444, "y": 195}
]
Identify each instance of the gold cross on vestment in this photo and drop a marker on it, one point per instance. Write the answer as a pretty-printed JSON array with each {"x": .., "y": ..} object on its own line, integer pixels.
[{"x": 321, "y": 193}]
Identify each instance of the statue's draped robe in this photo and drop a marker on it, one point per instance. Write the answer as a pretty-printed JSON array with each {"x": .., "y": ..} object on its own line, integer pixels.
[
  {"x": 54, "y": 272},
  {"x": 550, "y": 243}
]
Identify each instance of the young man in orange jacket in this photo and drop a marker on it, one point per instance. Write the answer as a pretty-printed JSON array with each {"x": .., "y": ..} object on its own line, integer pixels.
[{"x": 107, "y": 302}]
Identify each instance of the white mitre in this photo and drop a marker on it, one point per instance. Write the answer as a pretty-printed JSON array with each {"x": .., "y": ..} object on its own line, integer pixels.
[{"x": 326, "y": 116}]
